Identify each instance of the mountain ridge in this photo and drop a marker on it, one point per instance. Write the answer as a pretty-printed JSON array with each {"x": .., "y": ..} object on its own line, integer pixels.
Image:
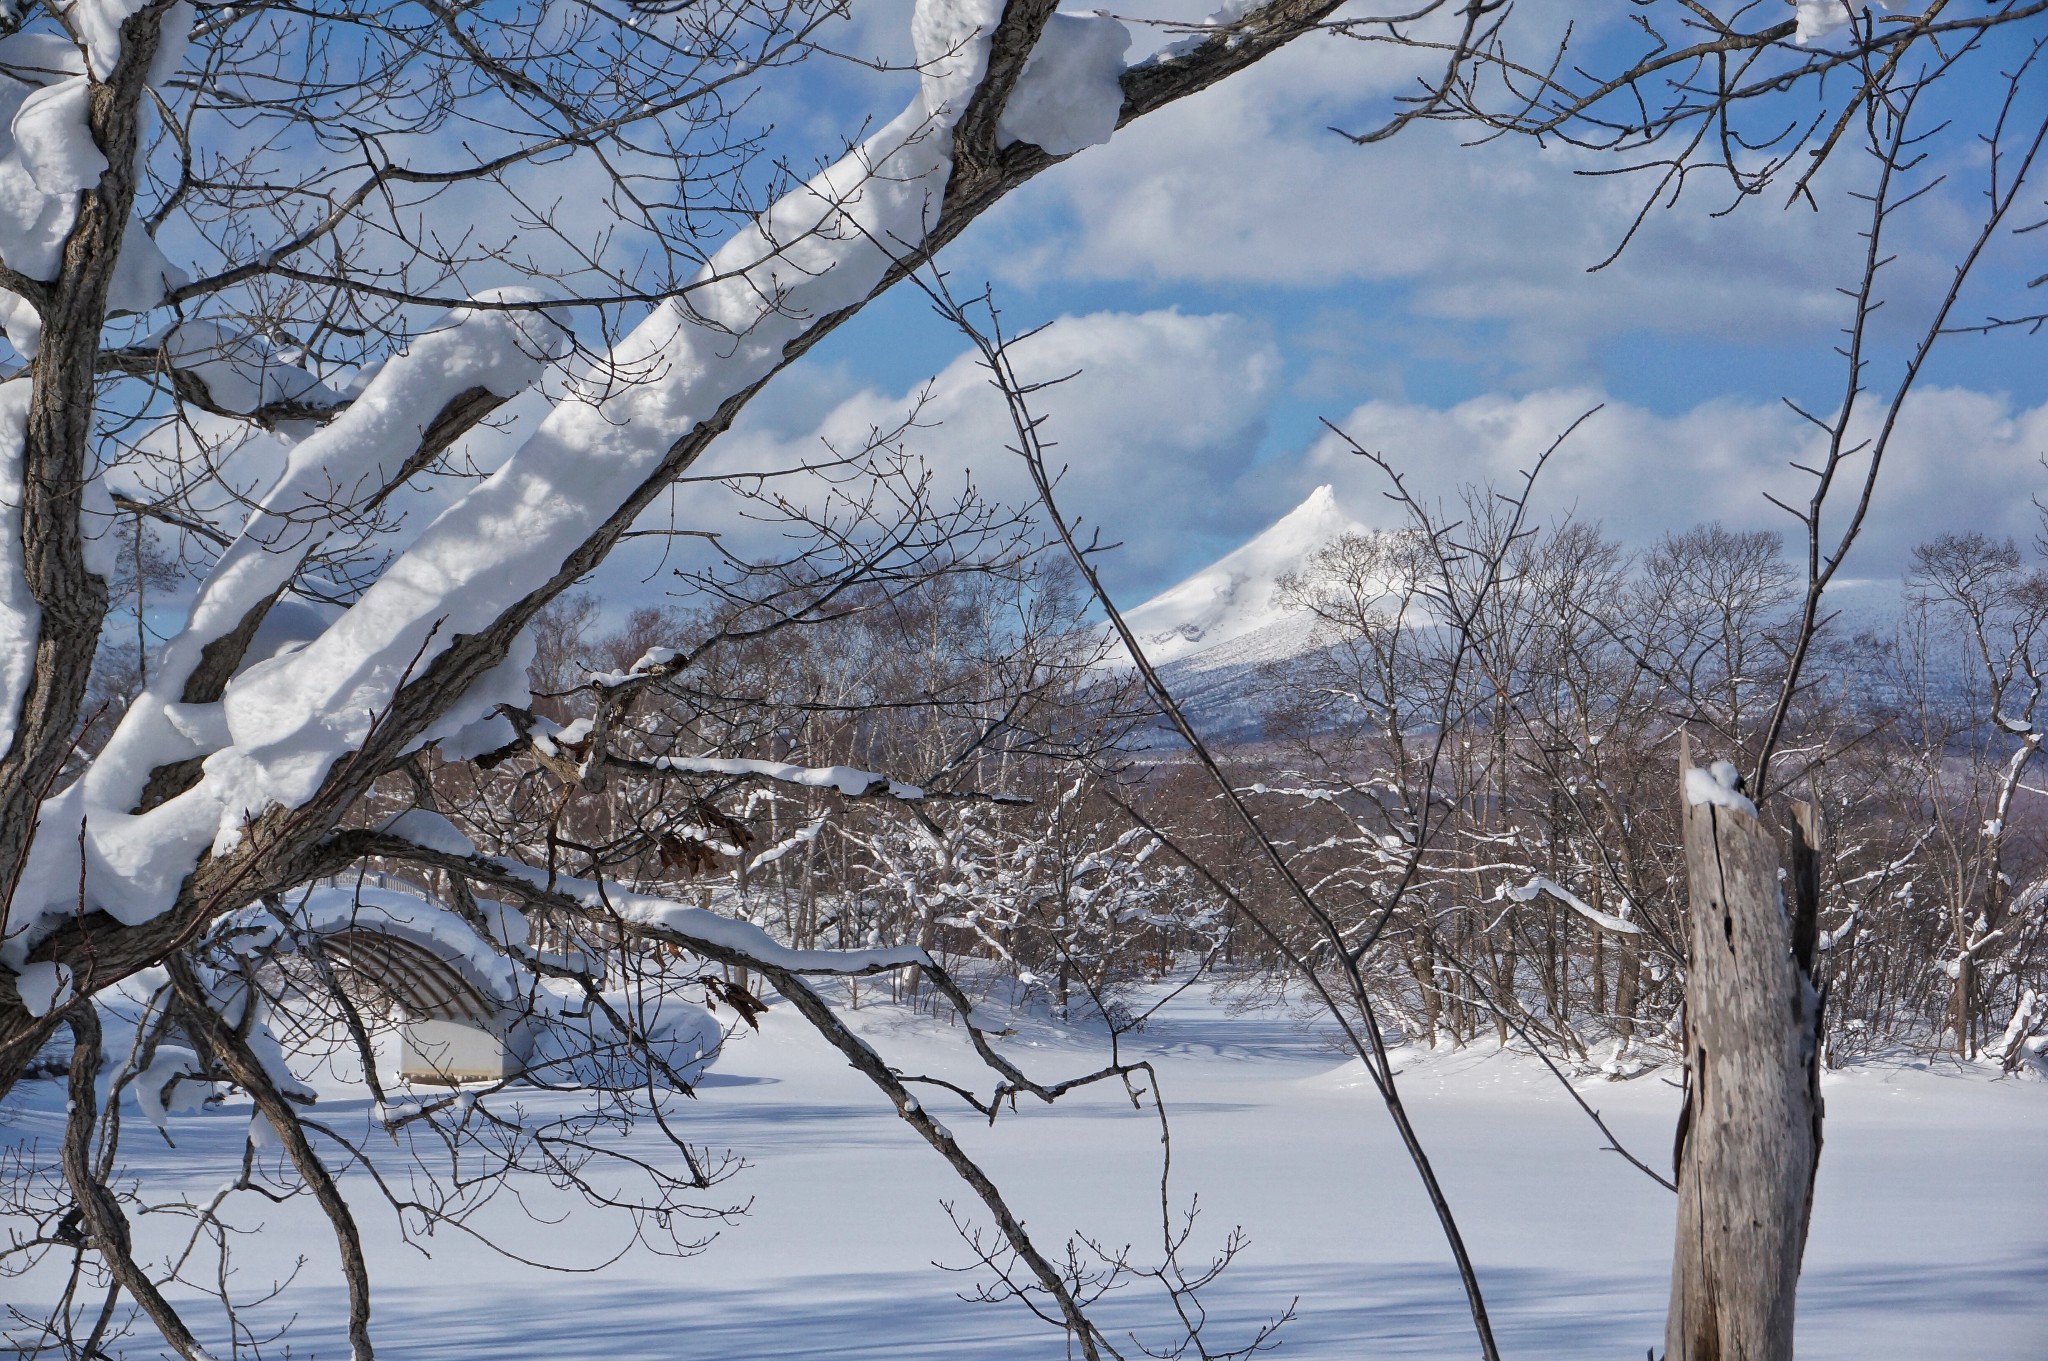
[{"x": 1233, "y": 598}]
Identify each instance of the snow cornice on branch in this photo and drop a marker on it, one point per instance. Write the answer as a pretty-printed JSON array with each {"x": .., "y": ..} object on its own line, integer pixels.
[
  {"x": 70, "y": 599},
  {"x": 410, "y": 660}
]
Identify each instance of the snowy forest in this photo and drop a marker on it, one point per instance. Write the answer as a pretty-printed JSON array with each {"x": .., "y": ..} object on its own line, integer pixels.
[
  {"x": 1499, "y": 790},
  {"x": 545, "y": 808}
]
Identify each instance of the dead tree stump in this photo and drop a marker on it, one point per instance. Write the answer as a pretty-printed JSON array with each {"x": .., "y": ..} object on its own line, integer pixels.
[{"x": 1749, "y": 1133}]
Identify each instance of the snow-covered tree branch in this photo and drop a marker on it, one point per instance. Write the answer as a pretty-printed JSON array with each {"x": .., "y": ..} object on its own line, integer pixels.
[
  {"x": 270, "y": 302},
  {"x": 223, "y": 779}
]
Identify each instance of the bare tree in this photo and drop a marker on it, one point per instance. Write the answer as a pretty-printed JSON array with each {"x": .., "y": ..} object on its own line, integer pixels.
[
  {"x": 1673, "y": 112},
  {"x": 1986, "y": 600},
  {"x": 305, "y": 293}
]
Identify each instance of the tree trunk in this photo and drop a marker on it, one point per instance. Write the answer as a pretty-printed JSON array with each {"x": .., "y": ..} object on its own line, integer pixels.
[
  {"x": 1959, "y": 999},
  {"x": 1628, "y": 978},
  {"x": 1749, "y": 1134},
  {"x": 1599, "y": 969}
]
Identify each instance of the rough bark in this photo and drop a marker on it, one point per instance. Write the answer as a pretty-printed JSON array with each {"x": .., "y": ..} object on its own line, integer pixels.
[
  {"x": 1749, "y": 1134},
  {"x": 56, "y": 450}
]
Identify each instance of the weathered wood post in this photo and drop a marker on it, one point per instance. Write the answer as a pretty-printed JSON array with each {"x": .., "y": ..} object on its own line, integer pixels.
[{"x": 1749, "y": 1133}]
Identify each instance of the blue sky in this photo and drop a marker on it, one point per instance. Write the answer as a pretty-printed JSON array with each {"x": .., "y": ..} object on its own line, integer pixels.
[{"x": 1229, "y": 273}]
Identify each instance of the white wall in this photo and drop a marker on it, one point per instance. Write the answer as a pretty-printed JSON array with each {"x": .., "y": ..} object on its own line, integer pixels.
[{"x": 452, "y": 1051}]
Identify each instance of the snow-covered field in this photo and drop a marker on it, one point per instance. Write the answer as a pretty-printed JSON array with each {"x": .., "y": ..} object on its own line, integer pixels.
[{"x": 1930, "y": 1236}]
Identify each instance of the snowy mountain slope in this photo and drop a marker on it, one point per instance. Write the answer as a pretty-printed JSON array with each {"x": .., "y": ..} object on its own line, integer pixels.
[
  {"x": 1219, "y": 636},
  {"x": 1226, "y": 690},
  {"x": 1224, "y": 644},
  {"x": 1233, "y": 597}
]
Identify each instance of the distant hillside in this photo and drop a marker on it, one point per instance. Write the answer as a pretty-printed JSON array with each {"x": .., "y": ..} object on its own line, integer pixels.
[
  {"x": 1222, "y": 640},
  {"x": 1233, "y": 597},
  {"x": 1214, "y": 633}
]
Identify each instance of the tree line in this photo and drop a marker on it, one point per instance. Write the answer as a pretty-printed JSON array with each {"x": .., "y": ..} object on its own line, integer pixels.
[{"x": 1472, "y": 765}]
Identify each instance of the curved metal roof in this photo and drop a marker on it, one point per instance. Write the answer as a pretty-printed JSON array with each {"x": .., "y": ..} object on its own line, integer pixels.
[{"x": 423, "y": 984}]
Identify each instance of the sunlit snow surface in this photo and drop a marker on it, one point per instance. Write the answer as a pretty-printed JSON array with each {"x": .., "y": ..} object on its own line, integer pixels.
[
  {"x": 1219, "y": 636},
  {"x": 1930, "y": 1233},
  {"x": 1235, "y": 597}
]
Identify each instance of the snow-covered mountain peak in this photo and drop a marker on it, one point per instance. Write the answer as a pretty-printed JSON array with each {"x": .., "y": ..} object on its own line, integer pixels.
[{"x": 1234, "y": 596}]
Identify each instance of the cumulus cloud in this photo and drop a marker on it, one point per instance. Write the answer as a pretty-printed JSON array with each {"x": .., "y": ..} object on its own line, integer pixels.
[
  {"x": 1248, "y": 187},
  {"x": 1961, "y": 460},
  {"x": 1160, "y": 412},
  {"x": 1160, "y": 428}
]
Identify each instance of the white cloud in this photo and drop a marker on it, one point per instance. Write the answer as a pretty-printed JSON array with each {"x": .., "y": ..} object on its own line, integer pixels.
[
  {"x": 1960, "y": 460},
  {"x": 1163, "y": 410},
  {"x": 1247, "y": 186},
  {"x": 1161, "y": 425}
]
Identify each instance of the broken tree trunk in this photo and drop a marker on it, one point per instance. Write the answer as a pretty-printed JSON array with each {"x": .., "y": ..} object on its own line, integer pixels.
[{"x": 1749, "y": 1133}]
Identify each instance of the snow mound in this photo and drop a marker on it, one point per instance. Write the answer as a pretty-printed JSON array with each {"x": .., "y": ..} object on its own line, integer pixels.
[{"x": 681, "y": 1040}]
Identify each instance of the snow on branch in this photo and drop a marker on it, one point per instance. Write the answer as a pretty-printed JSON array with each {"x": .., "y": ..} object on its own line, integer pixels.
[
  {"x": 824, "y": 247},
  {"x": 803, "y": 836},
  {"x": 574, "y": 752},
  {"x": 222, "y": 780},
  {"x": 139, "y": 842},
  {"x": 697, "y": 929},
  {"x": 853, "y": 783},
  {"x": 49, "y": 156},
  {"x": 228, "y": 373},
  {"x": 1539, "y": 885}
]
